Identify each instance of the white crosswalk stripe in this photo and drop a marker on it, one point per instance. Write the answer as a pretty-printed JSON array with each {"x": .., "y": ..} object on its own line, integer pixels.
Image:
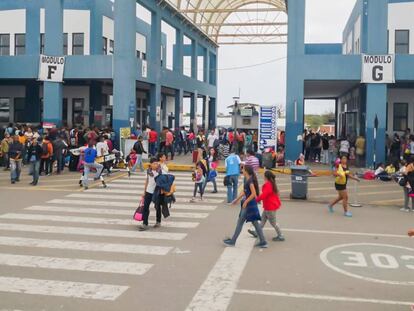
[
  {"x": 74, "y": 264},
  {"x": 86, "y": 246},
  {"x": 61, "y": 288},
  {"x": 104, "y": 211},
  {"x": 93, "y": 220},
  {"x": 93, "y": 232},
  {"x": 58, "y": 224}
]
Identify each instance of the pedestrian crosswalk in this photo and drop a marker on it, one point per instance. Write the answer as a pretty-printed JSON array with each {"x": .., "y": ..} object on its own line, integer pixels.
[{"x": 93, "y": 232}]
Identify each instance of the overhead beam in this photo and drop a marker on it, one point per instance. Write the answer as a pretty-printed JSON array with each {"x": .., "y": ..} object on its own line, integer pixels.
[
  {"x": 251, "y": 35},
  {"x": 251, "y": 43},
  {"x": 245, "y": 10},
  {"x": 242, "y": 24}
]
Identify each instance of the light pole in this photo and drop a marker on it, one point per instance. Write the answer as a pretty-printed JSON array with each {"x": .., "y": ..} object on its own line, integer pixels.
[{"x": 235, "y": 107}]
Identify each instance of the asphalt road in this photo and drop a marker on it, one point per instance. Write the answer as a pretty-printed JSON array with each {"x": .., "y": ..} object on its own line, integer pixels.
[{"x": 62, "y": 248}]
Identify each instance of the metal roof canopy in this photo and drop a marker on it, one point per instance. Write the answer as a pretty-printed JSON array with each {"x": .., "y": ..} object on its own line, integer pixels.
[{"x": 257, "y": 20}]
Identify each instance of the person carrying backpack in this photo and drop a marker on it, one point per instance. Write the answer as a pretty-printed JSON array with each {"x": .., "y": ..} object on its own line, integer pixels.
[
  {"x": 139, "y": 150},
  {"x": 46, "y": 164}
]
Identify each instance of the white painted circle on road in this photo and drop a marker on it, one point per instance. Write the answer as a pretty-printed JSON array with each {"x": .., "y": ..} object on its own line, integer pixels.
[{"x": 379, "y": 263}]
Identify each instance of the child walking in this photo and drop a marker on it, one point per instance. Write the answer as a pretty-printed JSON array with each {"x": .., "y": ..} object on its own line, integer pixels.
[
  {"x": 271, "y": 204},
  {"x": 198, "y": 178}
]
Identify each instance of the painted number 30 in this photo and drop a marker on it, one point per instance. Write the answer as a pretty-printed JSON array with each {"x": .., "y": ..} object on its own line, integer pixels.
[{"x": 382, "y": 261}]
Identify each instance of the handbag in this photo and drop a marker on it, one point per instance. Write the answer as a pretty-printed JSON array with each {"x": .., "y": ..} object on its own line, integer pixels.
[
  {"x": 226, "y": 181},
  {"x": 139, "y": 211},
  {"x": 212, "y": 175}
]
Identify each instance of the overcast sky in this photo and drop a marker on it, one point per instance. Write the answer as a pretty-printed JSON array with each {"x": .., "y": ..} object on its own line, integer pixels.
[{"x": 266, "y": 84}]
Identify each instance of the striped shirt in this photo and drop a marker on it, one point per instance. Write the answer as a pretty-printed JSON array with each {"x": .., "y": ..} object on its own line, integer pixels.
[{"x": 253, "y": 162}]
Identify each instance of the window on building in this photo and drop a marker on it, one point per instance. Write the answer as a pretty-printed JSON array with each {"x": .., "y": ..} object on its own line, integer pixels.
[
  {"x": 65, "y": 44},
  {"x": 144, "y": 56},
  {"x": 42, "y": 43},
  {"x": 19, "y": 44},
  {"x": 402, "y": 42},
  {"x": 105, "y": 46},
  {"x": 19, "y": 113},
  {"x": 111, "y": 46},
  {"x": 78, "y": 44},
  {"x": 400, "y": 116},
  {"x": 4, "y": 110},
  {"x": 4, "y": 44},
  {"x": 138, "y": 54}
]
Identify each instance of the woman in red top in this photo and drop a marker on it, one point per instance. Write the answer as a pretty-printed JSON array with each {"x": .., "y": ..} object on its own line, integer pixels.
[{"x": 271, "y": 203}]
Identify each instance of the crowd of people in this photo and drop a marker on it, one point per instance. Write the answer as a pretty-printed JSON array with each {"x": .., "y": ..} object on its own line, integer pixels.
[{"x": 46, "y": 151}]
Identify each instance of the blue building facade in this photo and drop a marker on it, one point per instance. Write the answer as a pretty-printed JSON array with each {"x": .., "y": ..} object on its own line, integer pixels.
[
  {"x": 112, "y": 72},
  {"x": 333, "y": 71}
]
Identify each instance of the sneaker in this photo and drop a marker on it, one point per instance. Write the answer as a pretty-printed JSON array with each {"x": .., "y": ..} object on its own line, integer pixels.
[
  {"x": 143, "y": 228},
  {"x": 17, "y": 179},
  {"x": 192, "y": 200},
  {"x": 13, "y": 182},
  {"x": 86, "y": 188},
  {"x": 215, "y": 191},
  {"x": 407, "y": 210},
  {"x": 279, "y": 238},
  {"x": 330, "y": 208},
  {"x": 252, "y": 232},
  {"x": 157, "y": 225},
  {"x": 229, "y": 242},
  {"x": 348, "y": 214},
  {"x": 262, "y": 244}
]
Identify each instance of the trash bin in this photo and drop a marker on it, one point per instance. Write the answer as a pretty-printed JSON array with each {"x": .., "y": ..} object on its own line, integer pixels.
[
  {"x": 299, "y": 180},
  {"x": 267, "y": 160}
]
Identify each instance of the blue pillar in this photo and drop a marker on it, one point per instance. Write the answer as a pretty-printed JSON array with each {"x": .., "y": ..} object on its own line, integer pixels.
[
  {"x": 96, "y": 22},
  {"x": 155, "y": 67},
  {"x": 125, "y": 63},
  {"x": 213, "y": 69},
  {"x": 52, "y": 111},
  {"x": 178, "y": 51},
  {"x": 295, "y": 82},
  {"x": 376, "y": 23},
  {"x": 203, "y": 118},
  {"x": 206, "y": 77},
  {"x": 32, "y": 29},
  {"x": 376, "y": 98},
  {"x": 193, "y": 111},
  {"x": 212, "y": 113},
  {"x": 179, "y": 95},
  {"x": 194, "y": 59}
]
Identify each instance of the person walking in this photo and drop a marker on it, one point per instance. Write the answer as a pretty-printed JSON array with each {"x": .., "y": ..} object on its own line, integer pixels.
[
  {"x": 34, "y": 154},
  {"x": 169, "y": 144},
  {"x": 15, "y": 157},
  {"x": 249, "y": 210},
  {"x": 198, "y": 179},
  {"x": 271, "y": 204},
  {"x": 342, "y": 174},
  {"x": 232, "y": 164},
  {"x": 332, "y": 150},
  {"x": 252, "y": 160},
  {"x": 149, "y": 187},
  {"x": 212, "y": 162},
  {"x": 60, "y": 151},
  {"x": 4, "y": 150},
  {"x": 90, "y": 162},
  {"x": 360, "y": 150},
  {"x": 407, "y": 171},
  {"x": 139, "y": 150},
  {"x": 46, "y": 158},
  {"x": 152, "y": 141}
]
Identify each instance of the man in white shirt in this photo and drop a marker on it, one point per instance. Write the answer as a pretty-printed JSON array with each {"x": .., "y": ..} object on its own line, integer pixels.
[
  {"x": 149, "y": 188},
  {"x": 212, "y": 137},
  {"x": 102, "y": 148}
]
